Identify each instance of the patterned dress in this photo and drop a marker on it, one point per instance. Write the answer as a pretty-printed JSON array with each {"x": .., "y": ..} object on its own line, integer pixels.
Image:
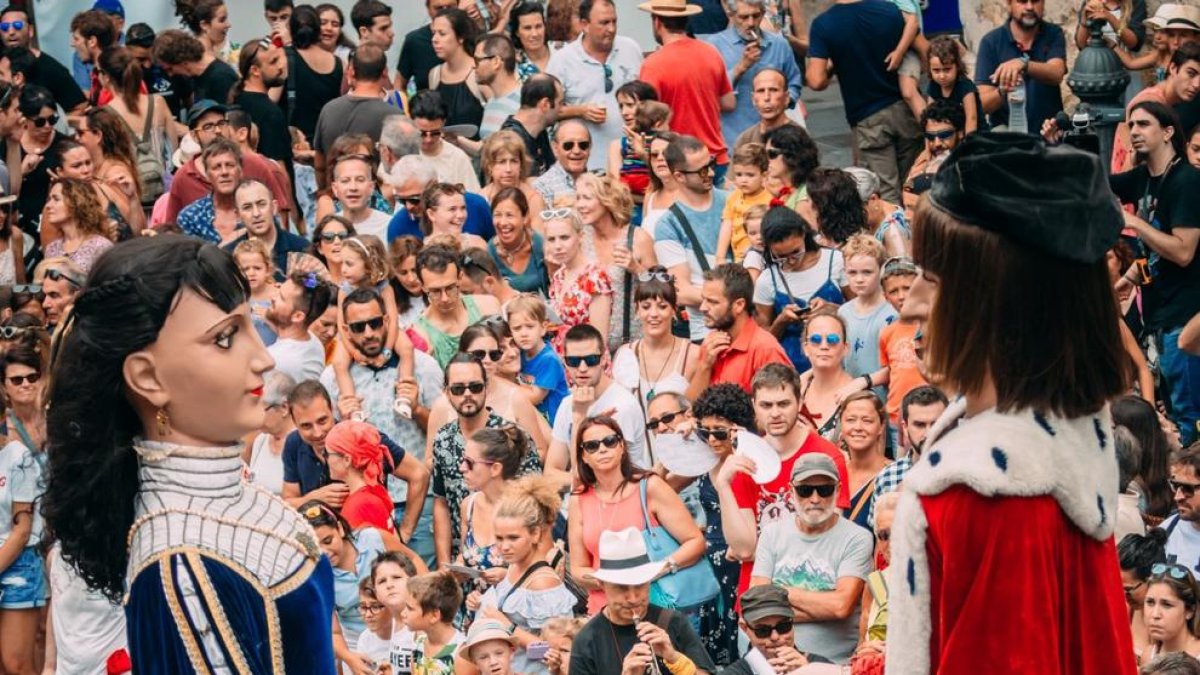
[
  {"x": 718, "y": 619},
  {"x": 572, "y": 299}
]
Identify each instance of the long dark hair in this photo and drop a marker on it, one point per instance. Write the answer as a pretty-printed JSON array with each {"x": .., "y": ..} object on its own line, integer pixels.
[
  {"x": 1167, "y": 118},
  {"x": 1141, "y": 419},
  {"x": 92, "y": 475},
  {"x": 514, "y": 20},
  {"x": 125, "y": 73},
  {"x": 629, "y": 472},
  {"x": 342, "y": 40}
]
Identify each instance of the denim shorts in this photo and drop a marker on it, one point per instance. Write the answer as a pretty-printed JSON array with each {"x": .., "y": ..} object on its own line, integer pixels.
[{"x": 23, "y": 584}]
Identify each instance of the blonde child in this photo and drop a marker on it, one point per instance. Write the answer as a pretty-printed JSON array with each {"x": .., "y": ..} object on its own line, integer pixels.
[
  {"x": 433, "y": 600},
  {"x": 365, "y": 266},
  {"x": 749, "y": 170},
  {"x": 755, "y": 260},
  {"x": 543, "y": 378},
  {"x": 389, "y": 579},
  {"x": 948, "y": 80},
  {"x": 254, "y": 260},
  {"x": 868, "y": 313},
  {"x": 1158, "y": 57},
  {"x": 906, "y": 57},
  {"x": 559, "y": 633}
]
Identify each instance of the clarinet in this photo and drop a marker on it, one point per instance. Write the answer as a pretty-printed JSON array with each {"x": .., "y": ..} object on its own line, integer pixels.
[{"x": 653, "y": 669}]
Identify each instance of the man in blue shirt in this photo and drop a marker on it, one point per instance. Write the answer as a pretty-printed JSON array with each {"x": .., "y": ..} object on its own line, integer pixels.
[
  {"x": 858, "y": 36},
  {"x": 746, "y": 51},
  {"x": 1025, "y": 49},
  {"x": 409, "y": 177},
  {"x": 257, "y": 211}
]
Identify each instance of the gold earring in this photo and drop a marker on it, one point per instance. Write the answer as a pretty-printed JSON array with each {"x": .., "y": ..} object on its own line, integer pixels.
[{"x": 164, "y": 422}]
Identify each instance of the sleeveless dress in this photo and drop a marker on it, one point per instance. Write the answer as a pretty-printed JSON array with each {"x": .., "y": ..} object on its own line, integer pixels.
[
  {"x": 443, "y": 346},
  {"x": 793, "y": 337},
  {"x": 475, "y": 555}
]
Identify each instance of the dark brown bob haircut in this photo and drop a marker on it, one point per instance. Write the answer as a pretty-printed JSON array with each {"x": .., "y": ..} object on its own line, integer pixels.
[{"x": 1043, "y": 328}]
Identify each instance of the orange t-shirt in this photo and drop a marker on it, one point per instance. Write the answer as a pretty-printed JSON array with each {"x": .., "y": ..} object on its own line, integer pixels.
[{"x": 897, "y": 351}]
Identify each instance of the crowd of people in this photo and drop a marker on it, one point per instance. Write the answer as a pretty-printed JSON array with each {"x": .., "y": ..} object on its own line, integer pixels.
[{"x": 577, "y": 358}]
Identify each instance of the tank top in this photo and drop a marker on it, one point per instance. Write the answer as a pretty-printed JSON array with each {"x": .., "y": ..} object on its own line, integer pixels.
[
  {"x": 443, "y": 346},
  {"x": 313, "y": 91},
  {"x": 265, "y": 468},
  {"x": 461, "y": 105},
  {"x": 599, "y": 517}
]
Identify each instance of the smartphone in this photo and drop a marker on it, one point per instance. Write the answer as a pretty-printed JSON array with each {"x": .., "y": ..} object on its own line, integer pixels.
[{"x": 537, "y": 651}]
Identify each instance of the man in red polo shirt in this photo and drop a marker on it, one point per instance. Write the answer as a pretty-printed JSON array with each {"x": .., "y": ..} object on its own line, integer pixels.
[{"x": 735, "y": 347}]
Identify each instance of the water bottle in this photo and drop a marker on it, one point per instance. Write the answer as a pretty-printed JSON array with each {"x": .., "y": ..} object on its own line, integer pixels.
[{"x": 1017, "y": 122}]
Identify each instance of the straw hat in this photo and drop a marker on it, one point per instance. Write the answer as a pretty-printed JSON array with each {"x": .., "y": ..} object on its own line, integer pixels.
[
  {"x": 670, "y": 8},
  {"x": 1185, "y": 18},
  {"x": 484, "y": 630}
]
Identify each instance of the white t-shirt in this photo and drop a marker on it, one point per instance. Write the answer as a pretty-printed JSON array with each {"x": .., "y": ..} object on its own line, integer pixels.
[
  {"x": 628, "y": 416},
  {"x": 453, "y": 166},
  {"x": 301, "y": 359},
  {"x": 373, "y": 647},
  {"x": 803, "y": 285},
  {"x": 87, "y": 627},
  {"x": 400, "y": 650},
  {"x": 265, "y": 468},
  {"x": 1183, "y": 546},
  {"x": 376, "y": 224},
  {"x": 20, "y": 475}
]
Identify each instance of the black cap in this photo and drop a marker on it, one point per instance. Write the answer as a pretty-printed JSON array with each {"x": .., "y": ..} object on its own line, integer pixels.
[
  {"x": 1055, "y": 199},
  {"x": 199, "y": 108},
  {"x": 760, "y": 602},
  {"x": 139, "y": 35}
]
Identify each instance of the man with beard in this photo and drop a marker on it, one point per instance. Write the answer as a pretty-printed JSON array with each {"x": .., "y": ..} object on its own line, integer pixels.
[
  {"x": 770, "y": 93},
  {"x": 449, "y": 312},
  {"x": 541, "y": 103},
  {"x": 1025, "y": 50},
  {"x": 1165, "y": 189},
  {"x": 736, "y": 347},
  {"x": 466, "y": 389},
  {"x": 1180, "y": 86},
  {"x": 256, "y": 210},
  {"x": 213, "y": 217},
  {"x": 297, "y": 303},
  {"x": 821, "y": 559},
  {"x": 16, "y": 30},
  {"x": 263, "y": 65},
  {"x": 1183, "y": 528},
  {"x": 919, "y": 409},
  {"x": 496, "y": 68},
  {"x": 572, "y": 147},
  {"x": 943, "y": 123}
]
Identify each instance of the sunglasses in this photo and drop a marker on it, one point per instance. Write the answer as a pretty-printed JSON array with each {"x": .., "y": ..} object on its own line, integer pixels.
[
  {"x": 481, "y": 59},
  {"x": 431, "y": 134},
  {"x": 555, "y": 214},
  {"x": 40, "y": 122},
  {"x": 1188, "y": 489},
  {"x": 939, "y": 135},
  {"x": 11, "y": 332},
  {"x": 1172, "y": 570},
  {"x": 763, "y": 632},
  {"x": 608, "y": 81},
  {"x": 571, "y": 145},
  {"x": 468, "y": 261},
  {"x": 656, "y": 275},
  {"x": 493, "y": 355},
  {"x": 667, "y": 418},
  {"x": 899, "y": 264},
  {"x": 358, "y": 327},
  {"x": 27, "y": 288},
  {"x": 18, "y": 380},
  {"x": 11, "y": 25},
  {"x": 336, "y": 236},
  {"x": 410, "y": 200},
  {"x": 719, "y": 433},
  {"x": 707, "y": 168},
  {"x": 59, "y": 275},
  {"x": 592, "y": 360},
  {"x": 774, "y": 153},
  {"x": 832, "y": 339},
  {"x": 592, "y": 447},
  {"x": 471, "y": 463},
  {"x": 806, "y": 491},
  {"x": 460, "y": 388}
]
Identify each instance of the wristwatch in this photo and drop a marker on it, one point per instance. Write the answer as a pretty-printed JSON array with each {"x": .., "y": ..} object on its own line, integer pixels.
[{"x": 672, "y": 565}]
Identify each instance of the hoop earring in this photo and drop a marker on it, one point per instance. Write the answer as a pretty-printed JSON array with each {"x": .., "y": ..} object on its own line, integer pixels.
[{"x": 163, "y": 421}]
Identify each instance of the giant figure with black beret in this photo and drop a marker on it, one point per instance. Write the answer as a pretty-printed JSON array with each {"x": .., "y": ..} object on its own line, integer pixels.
[{"x": 1003, "y": 558}]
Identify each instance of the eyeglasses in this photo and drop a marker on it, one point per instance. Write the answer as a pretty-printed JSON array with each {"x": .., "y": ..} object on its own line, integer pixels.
[
  {"x": 939, "y": 135},
  {"x": 431, "y": 134},
  {"x": 1173, "y": 570},
  {"x": 763, "y": 632},
  {"x": 1188, "y": 489},
  {"x": 1130, "y": 590},
  {"x": 18, "y": 380},
  {"x": 59, "y": 275},
  {"x": 481, "y": 59},
  {"x": 592, "y": 447},
  {"x": 774, "y": 153},
  {"x": 592, "y": 360},
  {"x": 806, "y": 491},
  {"x": 334, "y": 236},
  {"x": 555, "y": 214},
  {"x": 369, "y": 609},
  {"x": 570, "y": 145},
  {"x": 358, "y": 327},
  {"x": 656, "y": 275},
  {"x": 448, "y": 291},
  {"x": 470, "y": 463},
  {"x": 27, "y": 288},
  {"x": 11, "y": 332},
  {"x": 667, "y": 418},
  {"x": 831, "y": 339},
  {"x": 213, "y": 126},
  {"x": 460, "y": 388},
  {"x": 719, "y": 433},
  {"x": 494, "y": 355},
  {"x": 789, "y": 258},
  {"x": 40, "y": 122},
  {"x": 608, "y": 81},
  {"x": 711, "y": 167},
  {"x": 899, "y": 264},
  {"x": 11, "y": 25}
]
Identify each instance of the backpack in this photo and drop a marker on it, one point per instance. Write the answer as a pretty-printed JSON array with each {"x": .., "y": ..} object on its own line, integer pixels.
[{"x": 149, "y": 164}]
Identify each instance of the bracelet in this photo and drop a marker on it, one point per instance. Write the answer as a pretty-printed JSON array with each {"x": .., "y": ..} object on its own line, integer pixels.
[{"x": 867, "y": 377}]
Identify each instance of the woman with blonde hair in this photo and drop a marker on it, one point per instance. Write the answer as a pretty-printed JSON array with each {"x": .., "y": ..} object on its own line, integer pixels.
[
  {"x": 862, "y": 432},
  {"x": 580, "y": 289},
  {"x": 606, "y": 206},
  {"x": 506, "y": 163},
  {"x": 74, "y": 208}
]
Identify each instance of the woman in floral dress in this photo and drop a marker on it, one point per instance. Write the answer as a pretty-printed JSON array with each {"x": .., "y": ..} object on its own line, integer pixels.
[{"x": 580, "y": 290}]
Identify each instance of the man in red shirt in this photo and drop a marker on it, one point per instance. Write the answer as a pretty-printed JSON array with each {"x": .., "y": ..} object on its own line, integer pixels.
[
  {"x": 735, "y": 347},
  {"x": 689, "y": 76}
]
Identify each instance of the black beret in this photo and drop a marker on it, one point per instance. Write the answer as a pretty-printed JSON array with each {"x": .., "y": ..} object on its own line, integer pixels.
[{"x": 1055, "y": 199}]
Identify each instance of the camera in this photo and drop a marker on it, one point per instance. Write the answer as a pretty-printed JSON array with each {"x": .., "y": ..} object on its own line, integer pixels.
[{"x": 1077, "y": 129}]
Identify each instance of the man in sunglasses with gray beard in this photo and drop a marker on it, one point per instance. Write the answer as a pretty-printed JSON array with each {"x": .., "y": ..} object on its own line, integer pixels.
[{"x": 769, "y": 624}]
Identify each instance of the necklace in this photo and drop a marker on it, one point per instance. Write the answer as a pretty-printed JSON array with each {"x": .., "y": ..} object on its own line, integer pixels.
[
  {"x": 666, "y": 364},
  {"x": 507, "y": 254}
]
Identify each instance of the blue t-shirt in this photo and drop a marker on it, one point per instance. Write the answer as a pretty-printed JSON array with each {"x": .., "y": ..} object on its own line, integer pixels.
[
  {"x": 479, "y": 221},
  {"x": 369, "y": 545},
  {"x": 548, "y": 373},
  {"x": 1042, "y": 100},
  {"x": 301, "y": 466},
  {"x": 858, "y": 37}
]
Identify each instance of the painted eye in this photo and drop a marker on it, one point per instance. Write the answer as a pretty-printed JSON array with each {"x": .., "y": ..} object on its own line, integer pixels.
[{"x": 225, "y": 338}]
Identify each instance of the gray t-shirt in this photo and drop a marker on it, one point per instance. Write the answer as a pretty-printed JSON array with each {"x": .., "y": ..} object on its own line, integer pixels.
[
  {"x": 351, "y": 115},
  {"x": 792, "y": 559},
  {"x": 862, "y": 336}
]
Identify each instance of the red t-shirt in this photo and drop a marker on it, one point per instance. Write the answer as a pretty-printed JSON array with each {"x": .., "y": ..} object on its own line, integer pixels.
[
  {"x": 690, "y": 77},
  {"x": 369, "y": 506},
  {"x": 773, "y": 501}
]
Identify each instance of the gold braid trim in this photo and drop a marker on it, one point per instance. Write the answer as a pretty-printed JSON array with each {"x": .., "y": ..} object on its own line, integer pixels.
[
  {"x": 185, "y": 628},
  {"x": 218, "y": 612}
]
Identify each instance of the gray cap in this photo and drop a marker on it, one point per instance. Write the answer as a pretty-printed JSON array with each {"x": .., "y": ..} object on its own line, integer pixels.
[
  {"x": 760, "y": 602},
  {"x": 813, "y": 464}
]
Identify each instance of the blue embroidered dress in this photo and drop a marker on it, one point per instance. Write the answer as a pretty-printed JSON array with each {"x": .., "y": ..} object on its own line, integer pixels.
[{"x": 223, "y": 576}]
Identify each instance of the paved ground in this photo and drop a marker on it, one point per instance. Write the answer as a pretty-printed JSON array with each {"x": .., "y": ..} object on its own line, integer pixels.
[{"x": 827, "y": 125}]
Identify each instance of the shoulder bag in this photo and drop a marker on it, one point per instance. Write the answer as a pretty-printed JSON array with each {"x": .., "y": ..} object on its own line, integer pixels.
[{"x": 690, "y": 586}]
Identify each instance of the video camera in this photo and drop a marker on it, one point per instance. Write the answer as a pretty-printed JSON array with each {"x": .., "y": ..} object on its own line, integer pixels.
[{"x": 1077, "y": 128}]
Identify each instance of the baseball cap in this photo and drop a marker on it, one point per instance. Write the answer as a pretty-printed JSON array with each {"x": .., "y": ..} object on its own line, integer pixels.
[
  {"x": 813, "y": 464},
  {"x": 199, "y": 108},
  {"x": 113, "y": 7},
  {"x": 760, "y": 602},
  {"x": 139, "y": 35}
]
